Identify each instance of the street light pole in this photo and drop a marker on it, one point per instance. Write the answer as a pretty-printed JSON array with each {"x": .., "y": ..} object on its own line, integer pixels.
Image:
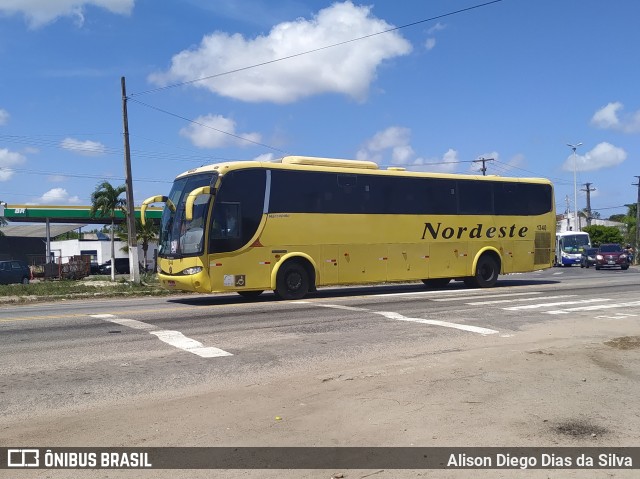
[{"x": 575, "y": 186}]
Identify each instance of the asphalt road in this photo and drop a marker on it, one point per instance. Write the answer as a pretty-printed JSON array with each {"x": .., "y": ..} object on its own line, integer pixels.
[{"x": 100, "y": 369}]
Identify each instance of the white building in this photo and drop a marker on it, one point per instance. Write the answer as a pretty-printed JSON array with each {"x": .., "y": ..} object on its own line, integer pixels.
[
  {"x": 98, "y": 249},
  {"x": 564, "y": 223}
]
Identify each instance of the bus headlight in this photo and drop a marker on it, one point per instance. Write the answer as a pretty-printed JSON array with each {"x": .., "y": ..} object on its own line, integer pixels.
[
  {"x": 599, "y": 257},
  {"x": 194, "y": 270}
]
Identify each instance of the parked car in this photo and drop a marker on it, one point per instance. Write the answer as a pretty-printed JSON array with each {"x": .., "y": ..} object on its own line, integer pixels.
[
  {"x": 588, "y": 257},
  {"x": 612, "y": 256},
  {"x": 122, "y": 266},
  {"x": 14, "y": 272}
]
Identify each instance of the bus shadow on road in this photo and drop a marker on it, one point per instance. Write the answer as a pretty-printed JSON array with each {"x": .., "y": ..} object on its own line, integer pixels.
[{"x": 366, "y": 290}]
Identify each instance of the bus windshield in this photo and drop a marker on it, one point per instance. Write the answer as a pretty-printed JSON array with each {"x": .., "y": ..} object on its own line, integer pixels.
[
  {"x": 180, "y": 237},
  {"x": 575, "y": 243}
]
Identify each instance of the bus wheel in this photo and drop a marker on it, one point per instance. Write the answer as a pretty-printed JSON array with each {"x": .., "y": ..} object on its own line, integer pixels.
[
  {"x": 436, "y": 282},
  {"x": 250, "y": 294},
  {"x": 487, "y": 271},
  {"x": 292, "y": 281}
]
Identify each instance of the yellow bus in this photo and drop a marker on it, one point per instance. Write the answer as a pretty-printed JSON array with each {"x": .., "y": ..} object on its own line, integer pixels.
[{"x": 299, "y": 223}]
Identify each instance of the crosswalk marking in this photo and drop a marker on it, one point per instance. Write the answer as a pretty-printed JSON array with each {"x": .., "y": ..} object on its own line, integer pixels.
[
  {"x": 400, "y": 317},
  {"x": 502, "y": 301},
  {"x": 475, "y": 296},
  {"x": 596, "y": 307},
  {"x": 559, "y": 303},
  {"x": 174, "y": 338}
]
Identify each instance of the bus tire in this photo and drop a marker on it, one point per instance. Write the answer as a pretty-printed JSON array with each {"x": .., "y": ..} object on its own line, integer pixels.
[
  {"x": 250, "y": 294},
  {"x": 487, "y": 271},
  {"x": 292, "y": 281},
  {"x": 436, "y": 282}
]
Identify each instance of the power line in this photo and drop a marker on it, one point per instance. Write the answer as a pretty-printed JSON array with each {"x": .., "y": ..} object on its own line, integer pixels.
[
  {"x": 208, "y": 126},
  {"x": 106, "y": 150},
  {"x": 188, "y": 82},
  {"x": 79, "y": 175}
]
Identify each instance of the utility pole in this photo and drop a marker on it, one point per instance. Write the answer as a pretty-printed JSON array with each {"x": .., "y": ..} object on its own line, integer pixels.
[
  {"x": 567, "y": 213},
  {"x": 588, "y": 190},
  {"x": 637, "y": 222},
  {"x": 575, "y": 187},
  {"x": 484, "y": 168},
  {"x": 131, "y": 219}
]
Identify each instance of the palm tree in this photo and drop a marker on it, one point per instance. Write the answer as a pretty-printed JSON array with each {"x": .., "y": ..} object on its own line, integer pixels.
[
  {"x": 105, "y": 200},
  {"x": 145, "y": 233}
]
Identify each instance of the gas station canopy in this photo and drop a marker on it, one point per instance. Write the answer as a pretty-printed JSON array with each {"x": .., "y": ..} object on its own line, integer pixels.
[{"x": 70, "y": 214}]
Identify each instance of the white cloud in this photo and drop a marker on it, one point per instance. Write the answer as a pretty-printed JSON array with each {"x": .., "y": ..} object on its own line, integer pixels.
[
  {"x": 4, "y": 117},
  {"x": 209, "y": 132},
  {"x": 608, "y": 118},
  {"x": 396, "y": 139},
  {"x": 430, "y": 43},
  {"x": 436, "y": 28},
  {"x": 448, "y": 163},
  {"x": 58, "y": 196},
  {"x": 84, "y": 148},
  {"x": 347, "y": 69},
  {"x": 266, "y": 157},
  {"x": 8, "y": 159},
  {"x": 395, "y": 143},
  {"x": 604, "y": 155},
  {"x": 41, "y": 12}
]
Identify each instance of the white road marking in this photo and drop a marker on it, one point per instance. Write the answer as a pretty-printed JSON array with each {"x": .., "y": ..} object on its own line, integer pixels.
[
  {"x": 420, "y": 293},
  {"x": 435, "y": 322},
  {"x": 180, "y": 341},
  {"x": 594, "y": 307},
  {"x": 502, "y": 301},
  {"x": 129, "y": 323},
  {"x": 476, "y": 296},
  {"x": 617, "y": 316},
  {"x": 559, "y": 303},
  {"x": 174, "y": 338},
  {"x": 400, "y": 317}
]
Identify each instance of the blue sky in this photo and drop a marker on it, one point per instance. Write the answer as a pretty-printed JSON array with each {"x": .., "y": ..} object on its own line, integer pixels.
[{"x": 514, "y": 81}]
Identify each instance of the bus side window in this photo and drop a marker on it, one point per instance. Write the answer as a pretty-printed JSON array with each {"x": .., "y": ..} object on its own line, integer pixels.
[{"x": 226, "y": 221}]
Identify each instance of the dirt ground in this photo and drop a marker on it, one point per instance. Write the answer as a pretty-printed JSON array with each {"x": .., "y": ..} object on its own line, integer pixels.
[{"x": 563, "y": 383}]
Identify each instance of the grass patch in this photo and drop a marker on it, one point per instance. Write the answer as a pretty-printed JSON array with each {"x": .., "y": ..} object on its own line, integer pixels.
[{"x": 95, "y": 286}]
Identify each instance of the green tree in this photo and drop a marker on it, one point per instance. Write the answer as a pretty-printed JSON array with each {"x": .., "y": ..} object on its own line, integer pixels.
[
  {"x": 105, "y": 200},
  {"x": 585, "y": 214},
  {"x": 619, "y": 218},
  {"x": 603, "y": 234},
  {"x": 144, "y": 235}
]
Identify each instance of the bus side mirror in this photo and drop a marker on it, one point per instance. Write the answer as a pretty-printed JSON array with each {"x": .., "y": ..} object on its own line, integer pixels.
[
  {"x": 191, "y": 198},
  {"x": 154, "y": 199}
]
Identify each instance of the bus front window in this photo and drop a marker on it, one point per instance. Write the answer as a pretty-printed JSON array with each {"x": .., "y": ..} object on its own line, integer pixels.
[
  {"x": 575, "y": 244},
  {"x": 179, "y": 237}
]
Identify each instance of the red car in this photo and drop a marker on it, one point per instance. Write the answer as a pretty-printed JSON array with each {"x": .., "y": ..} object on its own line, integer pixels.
[{"x": 612, "y": 256}]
